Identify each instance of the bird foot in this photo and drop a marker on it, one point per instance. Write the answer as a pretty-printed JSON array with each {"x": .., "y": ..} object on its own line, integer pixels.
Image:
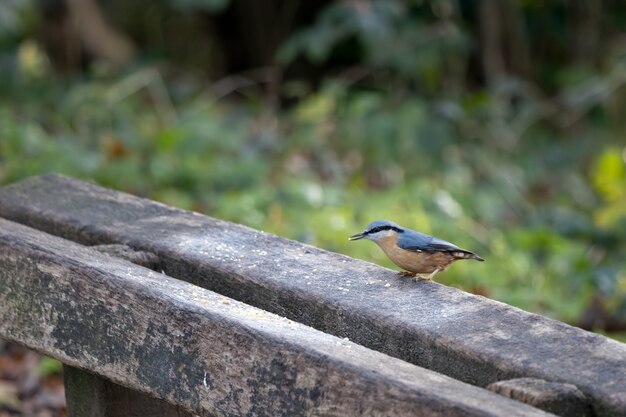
[{"x": 417, "y": 277}]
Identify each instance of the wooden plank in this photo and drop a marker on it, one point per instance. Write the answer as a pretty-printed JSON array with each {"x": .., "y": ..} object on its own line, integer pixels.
[
  {"x": 468, "y": 337},
  {"x": 202, "y": 351}
]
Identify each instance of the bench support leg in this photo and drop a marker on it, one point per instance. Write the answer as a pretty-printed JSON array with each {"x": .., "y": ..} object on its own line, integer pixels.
[{"x": 89, "y": 395}]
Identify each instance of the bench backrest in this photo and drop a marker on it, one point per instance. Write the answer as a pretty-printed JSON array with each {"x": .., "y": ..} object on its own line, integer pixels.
[{"x": 394, "y": 324}]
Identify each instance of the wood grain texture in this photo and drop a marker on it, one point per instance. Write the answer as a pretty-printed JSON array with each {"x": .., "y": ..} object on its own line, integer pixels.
[
  {"x": 468, "y": 337},
  {"x": 142, "y": 258},
  {"x": 199, "y": 350}
]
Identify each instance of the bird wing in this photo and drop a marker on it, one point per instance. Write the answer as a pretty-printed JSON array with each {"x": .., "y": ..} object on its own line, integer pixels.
[{"x": 419, "y": 242}]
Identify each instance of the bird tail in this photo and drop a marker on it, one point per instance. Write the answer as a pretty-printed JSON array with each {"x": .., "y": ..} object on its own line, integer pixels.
[{"x": 463, "y": 254}]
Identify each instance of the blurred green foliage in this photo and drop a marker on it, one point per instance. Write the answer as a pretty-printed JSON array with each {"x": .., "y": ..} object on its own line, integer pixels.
[
  {"x": 48, "y": 366},
  {"x": 536, "y": 186},
  {"x": 392, "y": 36}
]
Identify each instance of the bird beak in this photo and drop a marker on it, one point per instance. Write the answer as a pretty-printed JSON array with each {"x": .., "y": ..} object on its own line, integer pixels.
[{"x": 356, "y": 237}]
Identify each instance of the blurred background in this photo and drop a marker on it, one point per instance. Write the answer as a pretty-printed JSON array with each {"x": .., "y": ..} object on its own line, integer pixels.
[{"x": 497, "y": 125}]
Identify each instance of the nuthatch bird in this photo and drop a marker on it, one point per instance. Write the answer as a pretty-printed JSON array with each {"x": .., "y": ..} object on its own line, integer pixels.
[{"x": 413, "y": 251}]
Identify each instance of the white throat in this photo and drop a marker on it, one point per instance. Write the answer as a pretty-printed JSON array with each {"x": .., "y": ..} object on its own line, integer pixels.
[{"x": 380, "y": 235}]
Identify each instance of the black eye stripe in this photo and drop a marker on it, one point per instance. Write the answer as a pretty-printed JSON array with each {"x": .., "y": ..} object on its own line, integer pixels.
[{"x": 381, "y": 228}]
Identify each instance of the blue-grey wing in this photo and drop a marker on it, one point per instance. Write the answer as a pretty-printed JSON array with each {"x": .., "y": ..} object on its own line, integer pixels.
[{"x": 419, "y": 242}]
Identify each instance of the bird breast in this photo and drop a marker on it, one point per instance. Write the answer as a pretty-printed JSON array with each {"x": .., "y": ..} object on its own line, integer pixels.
[{"x": 418, "y": 262}]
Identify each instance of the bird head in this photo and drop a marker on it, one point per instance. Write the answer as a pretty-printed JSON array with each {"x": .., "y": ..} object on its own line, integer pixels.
[{"x": 377, "y": 230}]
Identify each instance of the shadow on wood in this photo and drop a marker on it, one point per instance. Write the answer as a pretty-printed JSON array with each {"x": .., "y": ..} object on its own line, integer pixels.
[{"x": 88, "y": 395}]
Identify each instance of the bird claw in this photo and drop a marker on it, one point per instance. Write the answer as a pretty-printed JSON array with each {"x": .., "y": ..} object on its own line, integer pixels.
[
  {"x": 429, "y": 277},
  {"x": 407, "y": 274}
]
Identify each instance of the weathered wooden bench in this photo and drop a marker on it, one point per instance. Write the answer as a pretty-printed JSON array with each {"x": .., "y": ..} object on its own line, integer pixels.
[{"x": 233, "y": 321}]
